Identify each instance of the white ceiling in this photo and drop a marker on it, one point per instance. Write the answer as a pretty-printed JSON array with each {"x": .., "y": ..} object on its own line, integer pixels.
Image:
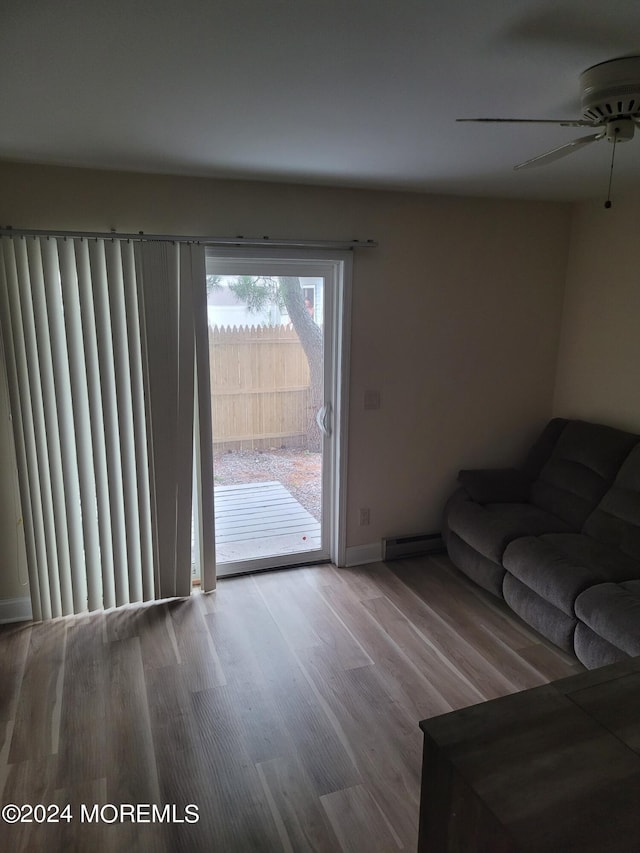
[{"x": 346, "y": 92}]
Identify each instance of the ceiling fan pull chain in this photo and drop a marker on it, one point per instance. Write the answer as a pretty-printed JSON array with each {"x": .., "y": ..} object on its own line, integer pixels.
[{"x": 607, "y": 203}]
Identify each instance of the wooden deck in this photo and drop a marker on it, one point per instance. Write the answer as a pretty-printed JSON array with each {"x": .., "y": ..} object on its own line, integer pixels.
[{"x": 256, "y": 520}]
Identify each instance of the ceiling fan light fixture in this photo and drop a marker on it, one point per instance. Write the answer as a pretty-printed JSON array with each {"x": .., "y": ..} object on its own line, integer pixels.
[{"x": 611, "y": 89}]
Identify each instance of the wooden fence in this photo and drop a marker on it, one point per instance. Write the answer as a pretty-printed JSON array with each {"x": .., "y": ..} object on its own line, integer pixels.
[{"x": 259, "y": 388}]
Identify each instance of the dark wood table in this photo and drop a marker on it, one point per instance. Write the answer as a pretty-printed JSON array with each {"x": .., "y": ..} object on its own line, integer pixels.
[{"x": 555, "y": 768}]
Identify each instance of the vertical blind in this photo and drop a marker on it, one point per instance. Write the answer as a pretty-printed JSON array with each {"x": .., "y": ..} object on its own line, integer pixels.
[{"x": 108, "y": 393}]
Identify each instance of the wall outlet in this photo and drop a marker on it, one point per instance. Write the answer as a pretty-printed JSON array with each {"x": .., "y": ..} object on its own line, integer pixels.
[{"x": 364, "y": 517}]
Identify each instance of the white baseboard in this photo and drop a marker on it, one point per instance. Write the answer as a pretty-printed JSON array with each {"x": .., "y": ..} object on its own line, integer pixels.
[
  {"x": 358, "y": 555},
  {"x": 15, "y": 610}
]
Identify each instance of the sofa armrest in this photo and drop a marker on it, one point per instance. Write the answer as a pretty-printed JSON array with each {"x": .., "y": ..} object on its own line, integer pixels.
[{"x": 495, "y": 485}]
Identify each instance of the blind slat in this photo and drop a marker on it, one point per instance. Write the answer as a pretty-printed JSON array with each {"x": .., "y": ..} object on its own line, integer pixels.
[
  {"x": 82, "y": 421},
  {"x": 139, "y": 427},
  {"x": 98, "y": 443},
  {"x": 122, "y": 385},
  {"x": 65, "y": 422},
  {"x": 184, "y": 438},
  {"x": 110, "y": 414},
  {"x": 203, "y": 440},
  {"x": 17, "y": 376},
  {"x": 159, "y": 271}
]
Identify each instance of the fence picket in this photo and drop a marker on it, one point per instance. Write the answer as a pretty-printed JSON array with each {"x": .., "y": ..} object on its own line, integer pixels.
[{"x": 260, "y": 388}]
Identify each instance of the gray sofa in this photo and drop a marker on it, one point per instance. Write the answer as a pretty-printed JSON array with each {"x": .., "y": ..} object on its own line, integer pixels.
[{"x": 559, "y": 538}]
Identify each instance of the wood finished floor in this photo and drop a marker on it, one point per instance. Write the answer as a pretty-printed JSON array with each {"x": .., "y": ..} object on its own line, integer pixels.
[{"x": 285, "y": 706}]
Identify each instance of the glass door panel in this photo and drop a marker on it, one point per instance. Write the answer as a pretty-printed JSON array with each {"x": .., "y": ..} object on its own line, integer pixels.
[{"x": 270, "y": 349}]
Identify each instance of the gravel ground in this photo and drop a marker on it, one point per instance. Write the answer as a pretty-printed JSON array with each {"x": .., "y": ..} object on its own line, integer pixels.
[{"x": 298, "y": 470}]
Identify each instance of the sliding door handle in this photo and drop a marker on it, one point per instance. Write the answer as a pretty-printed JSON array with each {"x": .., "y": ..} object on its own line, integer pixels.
[{"x": 323, "y": 419}]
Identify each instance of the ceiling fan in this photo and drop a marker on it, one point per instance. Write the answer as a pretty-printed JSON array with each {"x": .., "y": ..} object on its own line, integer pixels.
[{"x": 610, "y": 97}]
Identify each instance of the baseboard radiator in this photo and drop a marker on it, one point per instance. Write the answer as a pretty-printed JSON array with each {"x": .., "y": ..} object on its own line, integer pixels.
[{"x": 396, "y": 547}]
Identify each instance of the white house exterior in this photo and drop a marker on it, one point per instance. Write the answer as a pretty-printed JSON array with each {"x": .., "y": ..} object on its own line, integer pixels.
[{"x": 224, "y": 309}]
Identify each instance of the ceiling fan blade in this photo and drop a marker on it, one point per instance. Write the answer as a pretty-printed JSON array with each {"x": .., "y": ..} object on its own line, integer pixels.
[
  {"x": 562, "y": 151},
  {"x": 570, "y": 122}
]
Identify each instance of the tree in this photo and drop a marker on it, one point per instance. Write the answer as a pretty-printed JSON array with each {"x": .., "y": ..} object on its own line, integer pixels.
[{"x": 286, "y": 292}]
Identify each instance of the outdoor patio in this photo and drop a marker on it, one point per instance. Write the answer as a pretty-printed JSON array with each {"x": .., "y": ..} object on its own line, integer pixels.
[{"x": 261, "y": 519}]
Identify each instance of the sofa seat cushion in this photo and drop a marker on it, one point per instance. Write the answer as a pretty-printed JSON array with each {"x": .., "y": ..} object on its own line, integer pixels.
[
  {"x": 490, "y": 528},
  {"x": 592, "y": 651},
  {"x": 484, "y": 572},
  {"x": 535, "y": 611},
  {"x": 559, "y": 566},
  {"x": 612, "y": 611}
]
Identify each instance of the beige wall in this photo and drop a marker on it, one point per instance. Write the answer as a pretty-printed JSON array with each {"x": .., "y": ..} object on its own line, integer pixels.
[
  {"x": 599, "y": 361},
  {"x": 456, "y": 315}
]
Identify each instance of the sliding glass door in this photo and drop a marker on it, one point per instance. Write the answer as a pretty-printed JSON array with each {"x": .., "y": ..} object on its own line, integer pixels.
[{"x": 277, "y": 358}]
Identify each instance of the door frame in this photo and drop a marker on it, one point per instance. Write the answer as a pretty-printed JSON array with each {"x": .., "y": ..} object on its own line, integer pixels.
[{"x": 336, "y": 268}]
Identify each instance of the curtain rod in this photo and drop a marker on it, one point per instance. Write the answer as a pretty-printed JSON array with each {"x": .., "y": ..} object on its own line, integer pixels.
[{"x": 208, "y": 241}]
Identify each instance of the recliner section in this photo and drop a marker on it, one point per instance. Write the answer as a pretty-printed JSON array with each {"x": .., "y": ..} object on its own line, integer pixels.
[{"x": 567, "y": 559}]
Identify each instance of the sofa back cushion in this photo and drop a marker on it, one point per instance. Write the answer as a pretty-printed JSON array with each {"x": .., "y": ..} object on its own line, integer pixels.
[
  {"x": 582, "y": 466},
  {"x": 543, "y": 446},
  {"x": 616, "y": 519}
]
